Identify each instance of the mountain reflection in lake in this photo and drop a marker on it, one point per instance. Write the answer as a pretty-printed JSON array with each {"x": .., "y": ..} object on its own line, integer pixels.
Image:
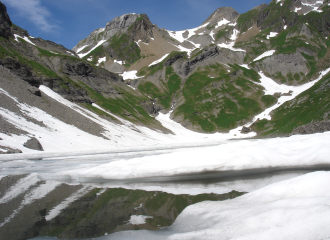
[{"x": 31, "y": 206}]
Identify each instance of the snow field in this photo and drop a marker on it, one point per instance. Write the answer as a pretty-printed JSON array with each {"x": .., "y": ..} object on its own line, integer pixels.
[{"x": 235, "y": 155}]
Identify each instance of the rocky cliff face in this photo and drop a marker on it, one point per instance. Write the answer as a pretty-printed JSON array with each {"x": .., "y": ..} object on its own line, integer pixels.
[{"x": 5, "y": 22}]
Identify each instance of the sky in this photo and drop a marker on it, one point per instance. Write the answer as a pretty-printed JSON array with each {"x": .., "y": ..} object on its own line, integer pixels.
[{"x": 67, "y": 22}]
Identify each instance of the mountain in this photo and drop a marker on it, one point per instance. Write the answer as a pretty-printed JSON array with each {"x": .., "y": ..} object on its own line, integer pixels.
[
  {"x": 264, "y": 71},
  {"x": 209, "y": 77}
]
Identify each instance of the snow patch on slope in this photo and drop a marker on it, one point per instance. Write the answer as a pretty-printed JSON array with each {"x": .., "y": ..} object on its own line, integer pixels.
[
  {"x": 130, "y": 75},
  {"x": 159, "y": 60},
  {"x": 271, "y": 35},
  {"x": 314, "y": 6},
  {"x": 272, "y": 87},
  {"x": 101, "y": 60},
  {"x": 265, "y": 54},
  {"x": 178, "y": 35},
  {"x": 81, "y": 55},
  {"x": 24, "y": 38}
]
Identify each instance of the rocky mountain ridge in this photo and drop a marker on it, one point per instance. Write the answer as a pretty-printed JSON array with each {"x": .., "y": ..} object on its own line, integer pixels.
[{"x": 282, "y": 40}]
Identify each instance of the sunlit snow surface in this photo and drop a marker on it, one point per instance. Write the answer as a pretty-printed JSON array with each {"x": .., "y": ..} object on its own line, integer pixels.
[{"x": 130, "y": 75}]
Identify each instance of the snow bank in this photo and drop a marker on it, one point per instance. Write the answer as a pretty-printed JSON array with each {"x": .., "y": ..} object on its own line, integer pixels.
[
  {"x": 293, "y": 209},
  {"x": 265, "y": 54}
]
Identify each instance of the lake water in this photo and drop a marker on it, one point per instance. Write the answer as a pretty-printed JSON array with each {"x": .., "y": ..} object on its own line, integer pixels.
[{"x": 37, "y": 200}]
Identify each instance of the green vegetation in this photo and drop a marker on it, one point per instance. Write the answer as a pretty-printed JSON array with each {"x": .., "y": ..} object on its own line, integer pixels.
[
  {"x": 174, "y": 81},
  {"x": 269, "y": 100},
  {"x": 246, "y": 20},
  {"x": 218, "y": 103},
  {"x": 249, "y": 73},
  {"x": 126, "y": 107},
  {"x": 46, "y": 53},
  {"x": 165, "y": 94},
  {"x": 125, "y": 48},
  {"x": 95, "y": 54}
]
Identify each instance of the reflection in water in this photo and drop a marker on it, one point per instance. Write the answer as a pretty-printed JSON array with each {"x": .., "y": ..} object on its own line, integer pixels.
[
  {"x": 50, "y": 208},
  {"x": 36, "y": 201}
]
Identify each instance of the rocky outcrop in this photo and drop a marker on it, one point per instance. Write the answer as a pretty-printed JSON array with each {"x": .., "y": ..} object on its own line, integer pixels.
[
  {"x": 209, "y": 54},
  {"x": 151, "y": 107},
  {"x": 81, "y": 69},
  {"x": 117, "y": 25},
  {"x": 173, "y": 59},
  {"x": 141, "y": 29},
  {"x": 283, "y": 63},
  {"x": 34, "y": 144},
  {"x": 302, "y": 30},
  {"x": 245, "y": 130},
  {"x": 13, "y": 151},
  {"x": 121, "y": 24},
  {"x": 5, "y": 22},
  {"x": 21, "y": 70},
  {"x": 318, "y": 127}
]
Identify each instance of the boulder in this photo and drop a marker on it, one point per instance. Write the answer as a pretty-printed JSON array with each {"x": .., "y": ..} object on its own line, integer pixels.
[
  {"x": 245, "y": 130},
  {"x": 35, "y": 91},
  {"x": 34, "y": 144}
]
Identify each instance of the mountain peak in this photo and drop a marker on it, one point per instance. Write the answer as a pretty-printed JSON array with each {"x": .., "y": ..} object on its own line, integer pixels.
[
  {"x": 121, "y": 22},
  {"x": 227, "y": 13}
]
